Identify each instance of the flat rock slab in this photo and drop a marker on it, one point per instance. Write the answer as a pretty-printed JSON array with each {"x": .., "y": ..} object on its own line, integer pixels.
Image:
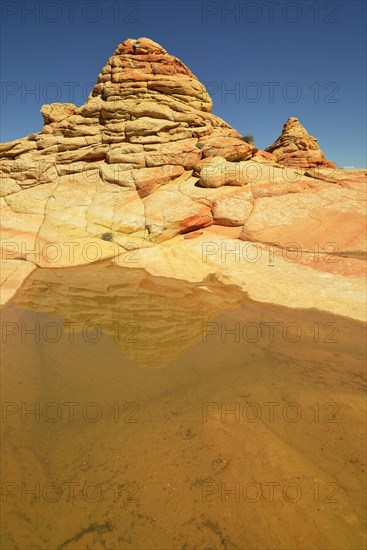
[{"x": 331, "y": 219}]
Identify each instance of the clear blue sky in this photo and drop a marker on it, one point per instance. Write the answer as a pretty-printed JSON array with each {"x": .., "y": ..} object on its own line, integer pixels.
[{"x": 281, "y": 59}]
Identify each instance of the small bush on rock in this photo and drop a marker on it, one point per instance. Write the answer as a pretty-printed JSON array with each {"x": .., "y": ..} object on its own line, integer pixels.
[{"x": 248, "y": 138}]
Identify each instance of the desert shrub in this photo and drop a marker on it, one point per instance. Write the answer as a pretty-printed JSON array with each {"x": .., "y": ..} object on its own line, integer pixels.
[
  {"x": 107, "y": 236},
  {"x": 248, "y": 138}
]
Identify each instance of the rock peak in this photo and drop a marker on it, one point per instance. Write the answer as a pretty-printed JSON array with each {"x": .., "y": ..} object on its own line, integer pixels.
[
  {"x": 140, "y": 66},
  {"x": 295, "y": 147},
  {"x": 293, "y": 127},
  {"x": 139, "y": 46}
]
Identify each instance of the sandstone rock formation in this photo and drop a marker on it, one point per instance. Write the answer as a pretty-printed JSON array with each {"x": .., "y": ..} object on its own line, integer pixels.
[
  {"x": 146, "y": 123},
  {"x": 144, "y": 162},
  {"x": 295, "y": 147}
]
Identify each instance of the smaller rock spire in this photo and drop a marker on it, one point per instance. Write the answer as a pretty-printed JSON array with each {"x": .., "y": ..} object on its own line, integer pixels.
[{"x": 295, "y": 147}]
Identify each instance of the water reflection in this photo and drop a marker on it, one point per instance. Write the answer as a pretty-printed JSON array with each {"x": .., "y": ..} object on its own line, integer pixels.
[
  {"x": 249, "y": 435},
  {"x": 151, "y": 319}
]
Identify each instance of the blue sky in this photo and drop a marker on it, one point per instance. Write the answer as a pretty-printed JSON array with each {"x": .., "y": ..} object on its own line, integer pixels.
[{"x": 278, "y": 59}]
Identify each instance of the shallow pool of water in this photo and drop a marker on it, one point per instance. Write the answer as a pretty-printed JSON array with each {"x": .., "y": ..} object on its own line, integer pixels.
[{"x": 142, "y": 412}]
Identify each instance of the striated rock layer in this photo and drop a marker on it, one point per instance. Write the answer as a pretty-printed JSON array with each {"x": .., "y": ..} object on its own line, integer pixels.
[{"x": 295, "y": 147}]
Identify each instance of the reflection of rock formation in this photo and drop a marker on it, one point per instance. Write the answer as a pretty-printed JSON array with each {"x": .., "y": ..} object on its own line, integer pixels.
[{"x": 151, "y": 319}]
